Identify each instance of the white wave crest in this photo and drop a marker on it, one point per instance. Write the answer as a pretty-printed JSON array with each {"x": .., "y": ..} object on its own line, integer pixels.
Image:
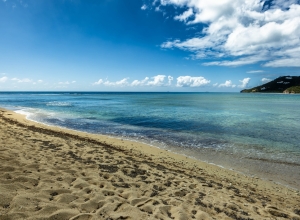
[
  {"x": 24, "y": 112},
  {"x": 64, "y": 104}
]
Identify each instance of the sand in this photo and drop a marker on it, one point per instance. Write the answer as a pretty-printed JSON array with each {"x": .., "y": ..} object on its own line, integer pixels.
[{"x": 53, "y": 173}]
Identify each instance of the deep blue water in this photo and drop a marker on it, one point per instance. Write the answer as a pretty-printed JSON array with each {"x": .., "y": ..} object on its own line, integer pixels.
[{"x": 262, "y": 126}]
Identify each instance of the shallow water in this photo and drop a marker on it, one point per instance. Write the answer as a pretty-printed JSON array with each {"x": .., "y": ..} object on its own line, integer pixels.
[{"x": 254, "y": 133}]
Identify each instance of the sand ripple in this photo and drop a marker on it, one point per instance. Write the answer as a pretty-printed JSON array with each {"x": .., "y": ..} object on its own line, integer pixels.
[{"x": 47, "y": 174}]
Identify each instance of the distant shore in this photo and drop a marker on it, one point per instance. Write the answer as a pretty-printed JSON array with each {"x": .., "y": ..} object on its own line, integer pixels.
[{"x": 53, "y": 173}]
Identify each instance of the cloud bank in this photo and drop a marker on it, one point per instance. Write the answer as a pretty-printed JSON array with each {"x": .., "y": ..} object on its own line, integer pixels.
[
  {"x": 239, "y": 32},
  {"x": 158, "y": 81}
]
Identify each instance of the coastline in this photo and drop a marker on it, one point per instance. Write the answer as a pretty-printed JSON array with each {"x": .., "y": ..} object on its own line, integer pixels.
[
  {"x": 55, "y": 173},
  {"x": 282, "y": 172}
]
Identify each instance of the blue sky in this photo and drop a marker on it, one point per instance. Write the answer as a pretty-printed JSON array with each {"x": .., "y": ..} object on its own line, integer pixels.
[{"x": 147, "y": 45}]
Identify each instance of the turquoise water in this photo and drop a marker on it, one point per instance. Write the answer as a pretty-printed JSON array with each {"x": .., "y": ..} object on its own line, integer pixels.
[{"x": 260, "y": 127}]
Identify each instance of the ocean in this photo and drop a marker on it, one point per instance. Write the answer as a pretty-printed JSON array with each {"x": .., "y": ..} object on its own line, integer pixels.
[{"x": 256, "y": 134}]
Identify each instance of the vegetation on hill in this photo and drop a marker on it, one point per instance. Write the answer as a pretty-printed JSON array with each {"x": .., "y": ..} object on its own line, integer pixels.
[
  {"x": 283, "y": 84},
  {"x": 293, "y": 89}
]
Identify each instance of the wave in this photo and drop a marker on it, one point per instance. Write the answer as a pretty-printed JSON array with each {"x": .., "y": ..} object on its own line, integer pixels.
[
  {"x": 24, "y": 112},
  {"x": 62, "y": 104}
]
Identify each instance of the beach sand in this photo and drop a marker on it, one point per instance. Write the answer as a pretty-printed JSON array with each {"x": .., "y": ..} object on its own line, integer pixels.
[{"x": 53, "y": 173}]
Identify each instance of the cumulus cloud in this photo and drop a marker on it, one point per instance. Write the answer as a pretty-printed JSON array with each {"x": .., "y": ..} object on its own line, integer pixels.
[
  {"x": 227, "y": 84},
  {"x": 158, "y": 80},
  {"x": 241, "y": 32},
  {"x": 189, "y": 81},
  {"x": 244, "y": 82},
  {"x": 3, "y": 79},
  {"x": 265, "y": 80},
  {"x": 140, "y": 82},
  {"x": 122, "y": 82},
  {"x": 99, "y": 82}
]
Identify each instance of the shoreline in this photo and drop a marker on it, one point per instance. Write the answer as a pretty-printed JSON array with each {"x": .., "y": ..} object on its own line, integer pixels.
[
  {"x": 284, "y": 175},
  {"x": 147, "y": 182},
  {"x": 289, "y": 172}
]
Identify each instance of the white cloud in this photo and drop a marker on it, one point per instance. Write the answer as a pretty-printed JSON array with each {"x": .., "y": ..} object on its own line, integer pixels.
[
  {"x": 189, "y": 81},
  {"x": 215, "y": 84},
  {"x": 144, "y": 7},
  {"x": 157, "y": 9},
  {"x": 227, "y": 83},
  {"x": 244, "y": 82},
  {"x": 25, "y": 80},
  {"x": 265, "y": 80},
  {"x": 122, "y": 82},
  {"x": 185, "y": 15},
  {"x": 140, "y": 83},
  {"x": 99, "y": 82},
  {"x": 286, "y": 62},
  {"x": 158, "y": 80},
  {"x": 287, "y": 58},
  {"x": 256, "y": 71},
  {"x": 3, "y": 79},
  {"x": 247, "y": 32}
]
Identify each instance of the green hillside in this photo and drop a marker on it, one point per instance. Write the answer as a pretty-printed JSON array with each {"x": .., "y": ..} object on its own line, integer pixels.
[{"x": 283, "y": 84}]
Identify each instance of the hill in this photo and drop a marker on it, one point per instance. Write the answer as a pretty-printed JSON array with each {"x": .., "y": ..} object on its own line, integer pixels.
[{"x": 283, "y": 84}]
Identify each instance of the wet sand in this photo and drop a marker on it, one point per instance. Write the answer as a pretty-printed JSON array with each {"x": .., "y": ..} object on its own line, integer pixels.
[
  {"x": 53, "y": 173},
  {"x": 282, "y": 172}
]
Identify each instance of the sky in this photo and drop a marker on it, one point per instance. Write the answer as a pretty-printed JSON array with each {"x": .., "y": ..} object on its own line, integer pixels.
[{"x": 147, "y": 45}]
